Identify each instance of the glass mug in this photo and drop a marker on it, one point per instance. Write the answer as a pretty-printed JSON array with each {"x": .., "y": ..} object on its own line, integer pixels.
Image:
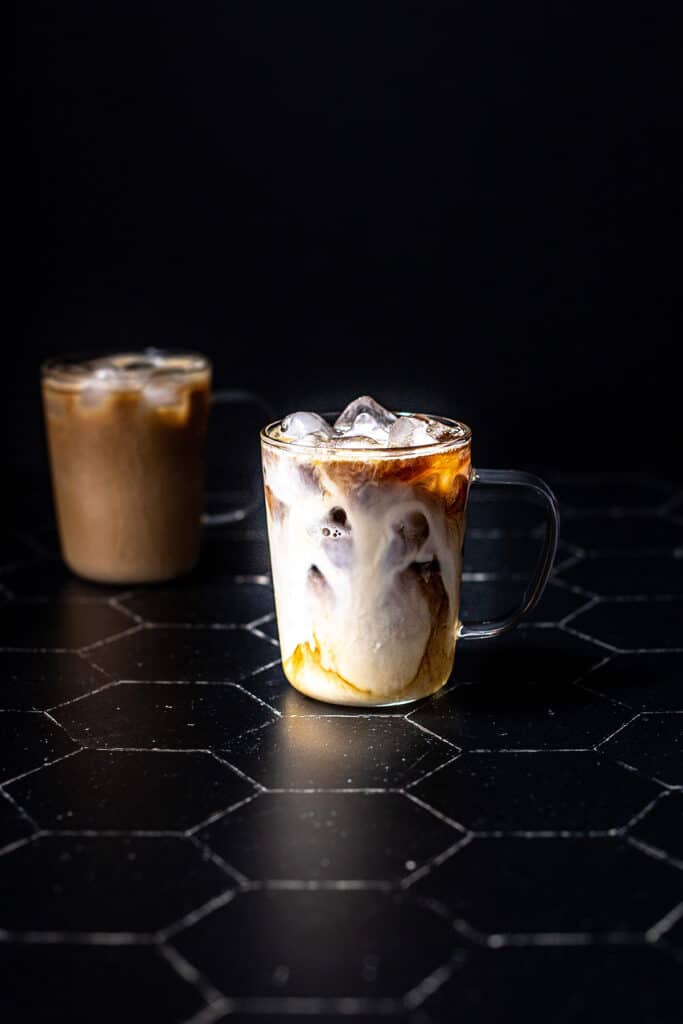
[
  {"x": 366, "y": 549},
  {"x": 127, "y": 442}
]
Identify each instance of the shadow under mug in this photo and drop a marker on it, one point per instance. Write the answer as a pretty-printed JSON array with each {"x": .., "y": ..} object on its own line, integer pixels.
[
  {"x": 127, "y": 440},
  {"x": 366, "y": 549}
]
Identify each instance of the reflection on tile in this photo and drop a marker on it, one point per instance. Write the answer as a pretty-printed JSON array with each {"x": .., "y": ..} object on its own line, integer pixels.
[
  {"x": 614, "y": 575},
  {"x": 378, "y": 836},
  {"x": 177, "y": 716},
  {"x": 653, "y": 744},
  {"x": 50, "y": 578},
  {"x": 324, "y": 943},
  {"x": 644, "y": 682},
  {"x": 513, "y": 715},
  {"x": 337, "y": 752},
  {"x": 224, "y": 553},
  {"x": 66, "y": 982},
  {"x": 38, "y": 679},
  {"x": 566, "y": 985},
  {"x": 662, "y": 827},
  {"x": 529, "y": 886},
  {"x": 220, "y": 655},
  {"x": 98, "y": 789},
  {"x": 28, "y": 740},
  {"x": 105, "y": 883},
  {"x": 60, "y": 623},
  {"x": 536, "y": 792},
  {"x": 224, "y": 601},
  {"x": 634, "y": 625}
]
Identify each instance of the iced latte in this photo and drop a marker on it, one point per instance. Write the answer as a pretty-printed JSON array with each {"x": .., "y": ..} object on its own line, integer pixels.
[
  {"x": 127, "y": 436},
  {"x": 366, "y": 521}
]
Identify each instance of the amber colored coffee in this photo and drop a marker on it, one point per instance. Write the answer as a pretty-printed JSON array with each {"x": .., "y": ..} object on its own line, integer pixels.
[{"x": 127, "y": 440}]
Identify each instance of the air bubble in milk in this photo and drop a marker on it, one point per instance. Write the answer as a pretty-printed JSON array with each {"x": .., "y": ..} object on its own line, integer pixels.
[{"x": 299, "y": 425}]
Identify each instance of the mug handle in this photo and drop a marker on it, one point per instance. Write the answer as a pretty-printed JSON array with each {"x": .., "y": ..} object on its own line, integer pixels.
[
  {"x": 536, "y": 586},
  {"x": 238, "y": 397}
]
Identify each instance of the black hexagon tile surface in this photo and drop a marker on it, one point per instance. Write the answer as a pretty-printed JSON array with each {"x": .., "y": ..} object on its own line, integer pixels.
[
  {"x": 130, "y": 790},
  {"x": 178, "y": 716},
  {"x": 108, "y": 883},
  {"x": 381, "y": 837},
  {"x": 323, "y": 944},
  {"x": 185, "y": 838},
  {"x": 80, "y": 983},
  {"x": 37, "y": 680}
]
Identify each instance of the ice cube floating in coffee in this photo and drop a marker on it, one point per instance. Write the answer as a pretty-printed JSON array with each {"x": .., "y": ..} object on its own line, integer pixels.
[{"x": 366, "y": 519}]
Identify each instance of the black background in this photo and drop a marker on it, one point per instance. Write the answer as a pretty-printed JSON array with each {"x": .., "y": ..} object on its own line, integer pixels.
[{"x": 457, "y": 207}]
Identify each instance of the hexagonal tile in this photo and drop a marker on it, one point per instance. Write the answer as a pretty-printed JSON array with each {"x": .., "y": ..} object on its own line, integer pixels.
[
  {"x": 632, "y": 625},
  {"x": 125, "y": 983},
  {"x": 653, "y": 744},
  {"x": 645, "y": 682},
  {"x": 105, "y": 883},
  {"x": 13, "y": 824},
  {"x": 38, "y": 680},
  {"x": 210, "y": 655},
  {"x": 617, "y": 575},
  {"x": 512, "y": 714},
  {"x": 99, "y": 789},
  {"x": 28, "y": 739},
  {"x": 378, "y": 836},
  {"x": 537, "y": 886},
  {"x": 531, "y": 655},
  {"x": 181, "y": 716},
  {"x": 536, "y": 792},
  {"x": 328, "y": 751},
  {"x": 64, "y": 624},
  {"x": 565, "y": 985},
  {"x": 662, "y": 827},
  {"x": 491, "y": 599},
  {"x": 626, "y": 533},
  {"x": 324, "y": 944},
  {"x": 221, "y": 601}
]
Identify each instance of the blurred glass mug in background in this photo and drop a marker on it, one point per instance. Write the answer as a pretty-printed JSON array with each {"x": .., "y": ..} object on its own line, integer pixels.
[{"x": 127, "y": 437}]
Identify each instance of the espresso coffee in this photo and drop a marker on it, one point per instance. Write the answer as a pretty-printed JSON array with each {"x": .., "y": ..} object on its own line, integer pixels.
[
  {"x": 127, "y": 439},
  {"x": 366, "y": 521}
]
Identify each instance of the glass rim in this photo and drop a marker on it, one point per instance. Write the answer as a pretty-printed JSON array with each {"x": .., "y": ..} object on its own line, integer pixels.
[
  {"x": 380, "y": 452},
  {"x": 74, "y": 367}
]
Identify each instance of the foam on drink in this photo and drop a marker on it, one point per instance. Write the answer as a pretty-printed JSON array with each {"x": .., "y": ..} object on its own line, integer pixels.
[{"x": 366, "y": 526}]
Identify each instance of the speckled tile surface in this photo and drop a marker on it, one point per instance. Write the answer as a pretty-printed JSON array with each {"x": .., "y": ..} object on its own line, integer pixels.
[{"x": 184, "y": 838}]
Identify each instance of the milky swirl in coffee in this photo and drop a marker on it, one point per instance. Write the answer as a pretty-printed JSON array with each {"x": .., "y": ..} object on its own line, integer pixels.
[{"x": 366, "y": 523}]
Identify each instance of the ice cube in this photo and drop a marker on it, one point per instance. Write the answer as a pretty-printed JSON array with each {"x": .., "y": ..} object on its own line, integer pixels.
[
  {"x": 355, "y": 441},
  {"x": 298, "y": 424},
  {"x": 164, "y": 389},
  {"x": 367, "y": 418},
  {"x": 412, "y": 431}
]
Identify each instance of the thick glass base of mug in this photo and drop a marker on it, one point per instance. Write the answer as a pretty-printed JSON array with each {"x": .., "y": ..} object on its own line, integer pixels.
[{"x": 305, "y": 673}]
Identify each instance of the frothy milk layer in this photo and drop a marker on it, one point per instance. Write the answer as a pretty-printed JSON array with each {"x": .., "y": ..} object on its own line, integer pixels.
[{"x": 366, "y": 551}]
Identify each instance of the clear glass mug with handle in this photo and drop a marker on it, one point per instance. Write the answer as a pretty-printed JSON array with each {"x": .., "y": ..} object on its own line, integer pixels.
[
  {"x": 366, "y": 548},
  {"x": 127, "y": 438}
]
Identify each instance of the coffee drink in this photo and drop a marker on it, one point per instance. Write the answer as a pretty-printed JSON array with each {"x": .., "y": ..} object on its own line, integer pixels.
[
  {"x": 127, "y": 438},
  {"x": 366, "y": 521}
]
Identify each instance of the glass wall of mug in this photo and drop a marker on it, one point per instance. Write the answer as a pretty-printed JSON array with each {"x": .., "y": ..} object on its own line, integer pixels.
[{"x": 366, "y": 551}]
